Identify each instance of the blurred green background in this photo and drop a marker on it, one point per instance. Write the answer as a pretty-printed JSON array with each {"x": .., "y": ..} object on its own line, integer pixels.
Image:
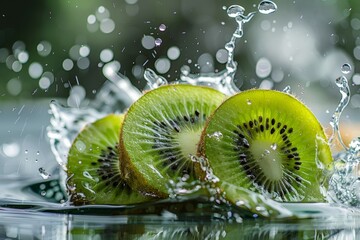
[{"x": 49, "y": 46}]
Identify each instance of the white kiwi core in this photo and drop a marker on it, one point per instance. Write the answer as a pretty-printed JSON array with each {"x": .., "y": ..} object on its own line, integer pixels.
[
  {"x": 268, "y": 159},
  {"x": 188, "y": 140}
]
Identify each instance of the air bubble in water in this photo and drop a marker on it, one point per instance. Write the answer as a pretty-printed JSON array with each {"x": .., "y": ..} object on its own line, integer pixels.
[
  {"x": 346, "y": 68},
  {"x": 267, "y": 7}
]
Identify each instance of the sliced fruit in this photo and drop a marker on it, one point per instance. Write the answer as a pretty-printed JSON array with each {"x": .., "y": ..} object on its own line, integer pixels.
[
  {"x": 160, "y": 134},
  {"x": 270, "y": 143},
  {"x": 93, "y": 166}
]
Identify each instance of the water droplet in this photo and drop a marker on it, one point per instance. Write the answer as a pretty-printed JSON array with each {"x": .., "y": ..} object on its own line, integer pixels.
[
  {"x": 267, "y": 7},
  {"x": 80, "y": 146},
  {"x": 287, "y": 89},
  {"x": 185, "y": 70},
  {"x": 235, "y": 11},
  {"x": 162, "y": 27},
  {"x": 216, "y": 135},
  {"x": 87, "y": 175},
  {"x": 38, "y": 153},
  {"x": 273, "y": 146},
  {"x": 26, "y": 151},
  {"x": 346, "y": 68},
  {"x": 158, "y": 42},
  {"x": 43, "y": 173},
  {"x": 248, "y": 102}
]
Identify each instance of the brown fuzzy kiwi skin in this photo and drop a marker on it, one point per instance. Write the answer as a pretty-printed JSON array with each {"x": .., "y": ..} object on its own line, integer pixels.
[{"x": 201, "y": 150}]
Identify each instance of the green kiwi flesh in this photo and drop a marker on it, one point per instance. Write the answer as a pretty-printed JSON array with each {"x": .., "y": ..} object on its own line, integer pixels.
[
  {"x": 270, "y": 143},
  {"x": 93, "y": 166},
  {"x": 160, "y": 133}
]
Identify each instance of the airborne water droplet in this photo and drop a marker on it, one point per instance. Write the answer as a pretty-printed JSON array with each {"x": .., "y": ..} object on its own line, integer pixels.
[
  {"x": 346, "y": 68},
  {"x": 235, "y": 11},
  {"x": 162, "y": 27},
  {"x": 267, "y": 7},
  {"x": 158, "y": 42}
]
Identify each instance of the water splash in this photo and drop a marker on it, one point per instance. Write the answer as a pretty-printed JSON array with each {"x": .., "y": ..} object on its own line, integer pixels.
[
  {"x": 344, "y": 89},
  {"x": 154, "y": 80},
  {"x": 65, "y": 125},
  {"x": 115, "y": 95},
  {"x": 344, "y": 184},
  {"x": 238, "y": 196},
  {"x": 223, "y": 80},
  {"x": 118, "y": 93}
]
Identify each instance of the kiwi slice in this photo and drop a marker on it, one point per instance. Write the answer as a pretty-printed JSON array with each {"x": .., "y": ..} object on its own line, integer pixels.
[
  {"x": 93, "y": 166},
  {"x": 270, "y": 143},
  {"x": 160, "y": 134}
]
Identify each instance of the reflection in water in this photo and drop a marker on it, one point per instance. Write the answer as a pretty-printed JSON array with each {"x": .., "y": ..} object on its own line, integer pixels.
[{"x": 34, "y": 225}]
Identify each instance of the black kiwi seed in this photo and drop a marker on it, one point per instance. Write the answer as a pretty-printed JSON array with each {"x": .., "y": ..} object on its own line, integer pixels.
[
  {"x": 106, "y": 169},
  {"x": 151, "y": 157},
  {"x": 98, "y": 179},
  {"x": 163, "y": 140},
  {"x": 246, "y": 158},
  {"x": 274, "y": 153}
]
